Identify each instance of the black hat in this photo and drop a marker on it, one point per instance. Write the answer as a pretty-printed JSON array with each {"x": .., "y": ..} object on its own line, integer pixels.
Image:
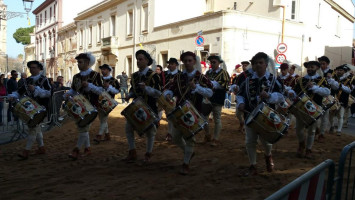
[
  {"x": 35, "y": 62},
  {"x": 324, "y": 58},
  {"x": 245, "y": 62},
  {"x": 343, "y": 67},
  {"x": 218, "y": 58},
  {"x": 82, "y": 56},
  {"x": 146, "y": 54},
  {"x": 106, "y": 66},
  {"x": 307, "y": 64},
  {"x": 173, "y": 60}
]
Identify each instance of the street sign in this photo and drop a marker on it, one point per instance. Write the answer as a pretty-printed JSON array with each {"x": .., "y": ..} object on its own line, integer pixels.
[
  {"x": 199, "y": 41},
  {"x": 199, "y": 33},
  {"x": 281, "y": 48},
  {"x": 280, "y": 58},
  {"x": 199, "y": 48}
]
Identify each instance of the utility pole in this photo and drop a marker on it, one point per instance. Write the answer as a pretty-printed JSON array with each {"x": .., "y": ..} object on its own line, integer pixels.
[{"x": 283, "y": 24}]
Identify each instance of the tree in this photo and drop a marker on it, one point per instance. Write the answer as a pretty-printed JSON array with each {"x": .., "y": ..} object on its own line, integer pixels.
[{"x": 22, "y": 35}]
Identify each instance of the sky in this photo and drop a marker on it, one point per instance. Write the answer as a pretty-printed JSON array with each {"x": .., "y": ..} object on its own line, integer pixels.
[{"x": 13, "y": 48}]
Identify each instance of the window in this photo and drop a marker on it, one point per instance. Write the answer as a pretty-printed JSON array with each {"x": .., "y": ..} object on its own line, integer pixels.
[
  {"x": 45, "y": 17},
  {"x": 293, "y": 10},
  {"x": 144, "y": 18},
  {"x": 319, "y": 16},
  {"x": 129, "y": 65},
  {"x": 99, "y": 32},
  {"x": 209, "y": 6},
  {"x": 90, "y": 35},
  {"x": 164, "y": 58},
  {"x": 37, "y": 21},
  {"x": 54, "y": 10},
  {"x": 130, "y": 23},
  {"x": 70, "y": 44},
  {"x": 113, "y": 26},
  {"x": 338, "y": 28},
  {"x": 50, "y": 14},
  {"x": 40, "y": 19},
  {"x": 81, "y": 37}
]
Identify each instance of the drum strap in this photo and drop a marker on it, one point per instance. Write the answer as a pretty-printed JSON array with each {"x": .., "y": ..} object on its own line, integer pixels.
[
  {"x": 304, "y": 89},
  {"x": 146, "y": 82},
  {"x": 341, "y": 91}
]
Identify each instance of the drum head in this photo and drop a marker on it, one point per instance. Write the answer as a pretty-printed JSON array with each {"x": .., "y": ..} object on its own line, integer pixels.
[{"x": 254, "y": 113}]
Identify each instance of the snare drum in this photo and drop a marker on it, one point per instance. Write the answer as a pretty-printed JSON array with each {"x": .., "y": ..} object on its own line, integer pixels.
[
  {"x": 267, "y": 123},
  {"x": 283, "y": 108},
  {"x": 187, "y": 120},
  {"x": 306, "y": 110},
  {"x": 328, "y": 102},
  {"x": 168, "y": 106},
  {"x": 29, "y": 111},
  {"x": 336, "y": 106},
  {"x": 106, "y": 102},
  {"x": 140, "y": 115},
  {"x": 81, "y": 110}
]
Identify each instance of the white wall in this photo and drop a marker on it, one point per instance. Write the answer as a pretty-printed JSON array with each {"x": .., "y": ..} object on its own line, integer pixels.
[{"x": 71, "y": 8}]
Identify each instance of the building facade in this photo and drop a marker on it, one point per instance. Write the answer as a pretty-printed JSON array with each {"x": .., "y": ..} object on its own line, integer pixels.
[{"x": 3, "y": 27}]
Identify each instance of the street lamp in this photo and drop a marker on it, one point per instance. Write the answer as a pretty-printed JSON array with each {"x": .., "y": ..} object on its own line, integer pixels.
[{"x": 27, "y": 4}]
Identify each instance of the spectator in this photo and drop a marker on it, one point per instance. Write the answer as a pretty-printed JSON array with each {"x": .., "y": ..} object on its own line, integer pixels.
[
  {"x": 22, "y": 79},
  {"x": 59, "y": 84},
  {"x": 123, "y": 85},
  {"x": 2, "y": 94},
  {"x": 11, "y": 86}
]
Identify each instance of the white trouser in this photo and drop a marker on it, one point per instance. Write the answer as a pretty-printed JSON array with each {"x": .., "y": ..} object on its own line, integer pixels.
[
  {"x": 346, "y": 115},
  {"x": 216, "y": 111},
  {"x": 240, "y": 115},
  {"x": 103, "y": 123},
  {"x": 311, "y": 130},
  {"x": 186, "y": 145},
  {"x": 83, "y": 138},
  {"x": 251, "y": 140},
  {"x": 35, "y": 133},
  {"x": 150, "y": 134},
  {"x": 340, "y": 115},
  {"x": 324, "y": 121}
]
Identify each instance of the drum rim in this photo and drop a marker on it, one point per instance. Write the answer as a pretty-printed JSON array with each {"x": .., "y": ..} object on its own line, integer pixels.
[{"x": 257, "y": 112}]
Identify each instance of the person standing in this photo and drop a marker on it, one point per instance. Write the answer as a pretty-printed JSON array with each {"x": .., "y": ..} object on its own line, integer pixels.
[
  {"x": 38, "y": 88},
  {"x": 262, "y": 86},
  {"x": 112, "y": 86},
  {"x": 22, "y": 79},
  {"x": 193, "y": 86},
  {"x": 123, "y": 85},
  {"x": 220, "y": 80},
  {"x": 11, "y": 86},
  {"x": 88, "y": 83},
  {"x": 2, "y": 95},
  {"x": 145, "y": 83}
]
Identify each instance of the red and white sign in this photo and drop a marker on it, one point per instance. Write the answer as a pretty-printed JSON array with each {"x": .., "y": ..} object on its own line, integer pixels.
[
  {"x": 281, "y": 48},
  {"x": 280, "y": 58},
  {"x": 199, "y": 41}
]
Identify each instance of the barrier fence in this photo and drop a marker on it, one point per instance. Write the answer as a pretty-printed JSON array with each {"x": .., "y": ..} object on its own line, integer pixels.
[{"x": 317, "y": 183}]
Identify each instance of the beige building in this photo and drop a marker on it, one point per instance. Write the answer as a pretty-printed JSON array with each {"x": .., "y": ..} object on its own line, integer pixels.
[
  {"x": 3, "y": 28},
  {"x": 235, "y": 29},
  {"x": 30, "y": 52}
]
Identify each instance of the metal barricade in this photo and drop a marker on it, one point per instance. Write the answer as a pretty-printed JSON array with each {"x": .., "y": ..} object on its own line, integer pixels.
[
  {"x": 350, "y": 175},
  {"x": 310, "y": 185},
  {"x": 11, "y": 128},
  {"x": 55, "y": 109}
]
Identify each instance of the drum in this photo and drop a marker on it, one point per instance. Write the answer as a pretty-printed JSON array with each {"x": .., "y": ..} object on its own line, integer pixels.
[
  {"x": 187, "y": 120},
  {"x": 335, "y": 106},
  {"x": 206, "y": 107},
  {"x": 306, "y": 110},
  {"x": 328, "y": 102},
  {"x": 140, "y": 115},
  {"x": 168, "y": 106},
  {"x": 106, "y": 102},
  {"x": 283, "y": 108},
  {"x": 29, "y": 111},
  {"x": 80, "y": 109},
  {"x": 267, "y": 123}
]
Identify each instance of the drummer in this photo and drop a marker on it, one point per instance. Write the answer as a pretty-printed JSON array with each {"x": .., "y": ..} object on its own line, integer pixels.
[
  {"x": 220, "y": 80},
  {"x": 193, "y": 86},
  {"x": 170, "y": 75},
  {"x": 112, "y": 86},
  {"x": 262, "y": 86},
  {"x": 88, "y": 83},
  {"x": 316, "y": 88},
  {"x": 342, "y": 95},
  {"x": 145, "y": 84},
  {"x": 38, "y": 88}
]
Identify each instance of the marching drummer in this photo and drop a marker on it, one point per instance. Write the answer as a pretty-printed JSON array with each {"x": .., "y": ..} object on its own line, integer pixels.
[
  {"x": 145, "y": 84},
  {"x": 262, "y": 86},
  {"x": 193, "y": 86},
  {"x": 112, "y": 86},
  {"x": 88, "y": 83},
  {"x": 316, "y": 88},
  {"x": 170, "y": 75},
  {"x": 220, "y": 80},
  {"x": 342, "y": 95},
  {"x": 37, "y": 87}
]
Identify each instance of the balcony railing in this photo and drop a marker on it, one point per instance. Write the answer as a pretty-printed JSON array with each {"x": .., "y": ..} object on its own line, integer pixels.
[{"x": 109, "y": 42}]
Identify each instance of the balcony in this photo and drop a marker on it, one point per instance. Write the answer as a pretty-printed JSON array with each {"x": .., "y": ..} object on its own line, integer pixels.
[{"x": 109, "y": 43}]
